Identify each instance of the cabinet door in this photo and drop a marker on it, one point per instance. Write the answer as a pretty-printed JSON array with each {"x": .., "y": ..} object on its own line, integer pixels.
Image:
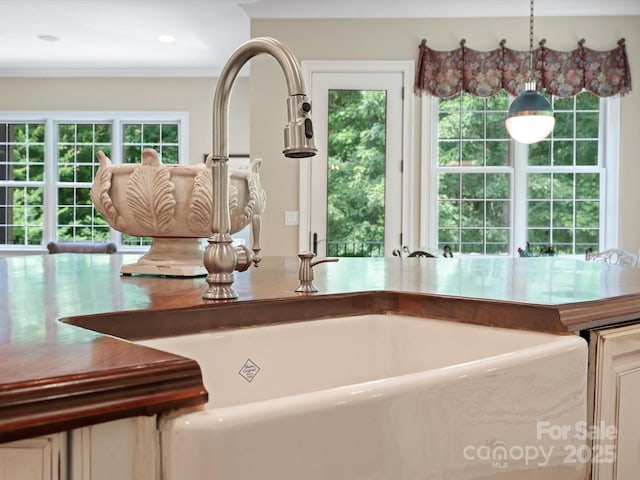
[
  {"x": 615, "y": 367},
  {"x": 33, "y": 459},
  {"x": 125, "y": 449}
]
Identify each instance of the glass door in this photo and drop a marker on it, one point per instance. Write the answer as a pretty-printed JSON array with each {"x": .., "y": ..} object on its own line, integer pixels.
[{"x": 356, "y": 178}]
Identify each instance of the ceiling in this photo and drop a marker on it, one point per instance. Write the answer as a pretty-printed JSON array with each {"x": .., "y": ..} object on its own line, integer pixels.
[{"x": 121, "y": 37}]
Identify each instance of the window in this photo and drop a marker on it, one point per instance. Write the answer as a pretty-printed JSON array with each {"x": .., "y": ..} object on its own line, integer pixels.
[
  {"x": 493, "y": 195},
  {"x": 21, "y": 183},
  {"x": 48, "y": 163},
  {"x": 564, "y": 180},
  {"x": 474, "y": 175}
]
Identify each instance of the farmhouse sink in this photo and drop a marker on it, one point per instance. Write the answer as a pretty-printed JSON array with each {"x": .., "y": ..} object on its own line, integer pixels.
[{"x": 379, "y": 396}]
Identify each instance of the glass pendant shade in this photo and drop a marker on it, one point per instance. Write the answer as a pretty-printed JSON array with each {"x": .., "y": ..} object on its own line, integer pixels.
[{"x": 530, "y": 118}]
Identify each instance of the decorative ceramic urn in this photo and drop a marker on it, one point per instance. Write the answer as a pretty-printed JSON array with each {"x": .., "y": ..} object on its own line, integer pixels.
[{"x": 172, "y": 204}]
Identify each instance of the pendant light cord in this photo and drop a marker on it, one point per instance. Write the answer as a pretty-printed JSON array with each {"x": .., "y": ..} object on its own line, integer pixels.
[
  {"x": 530, "y": 117},
  {"x": 531, "y": 78}
]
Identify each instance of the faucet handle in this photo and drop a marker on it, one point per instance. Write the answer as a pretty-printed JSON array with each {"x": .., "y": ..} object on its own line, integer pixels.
[
  {"x": 245, "y": 257},
  {"x": 305, "y": 273}
]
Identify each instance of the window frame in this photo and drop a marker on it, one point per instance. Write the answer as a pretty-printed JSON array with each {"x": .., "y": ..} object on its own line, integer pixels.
[
  {"x": 51, "y": 183},
  {"x": 608, "y": 156}
]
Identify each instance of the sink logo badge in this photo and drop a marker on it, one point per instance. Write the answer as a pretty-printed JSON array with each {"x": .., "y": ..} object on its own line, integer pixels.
[{"x": 249, "y": 370}]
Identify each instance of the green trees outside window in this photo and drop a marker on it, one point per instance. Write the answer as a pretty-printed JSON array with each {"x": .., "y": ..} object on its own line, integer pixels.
[
  {"x": 22, "y": 180},
  {"x": 25, "y": 176},
  {"x": 474, "y": 175},
  {"x": 356, "y": 173},
  {"x": 563, "y": 185},
  {"x": 477, "y": 166},
  {"x": 78, "y": 144}
]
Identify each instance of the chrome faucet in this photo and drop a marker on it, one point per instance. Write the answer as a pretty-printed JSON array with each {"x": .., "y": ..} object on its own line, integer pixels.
[
  {"x": 221, "y": 259},
  {"x": 305, "y": 273}
]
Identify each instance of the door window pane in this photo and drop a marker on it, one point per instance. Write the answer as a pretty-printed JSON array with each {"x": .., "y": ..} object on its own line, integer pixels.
[{"x": 356, "y": 173}]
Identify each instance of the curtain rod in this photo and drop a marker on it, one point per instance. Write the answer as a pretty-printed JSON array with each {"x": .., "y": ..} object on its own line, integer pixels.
[{"x": 542, "y": 42}]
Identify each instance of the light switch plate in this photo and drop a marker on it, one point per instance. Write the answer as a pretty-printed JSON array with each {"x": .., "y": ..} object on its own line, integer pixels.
[{"x": 291, "y": 217}]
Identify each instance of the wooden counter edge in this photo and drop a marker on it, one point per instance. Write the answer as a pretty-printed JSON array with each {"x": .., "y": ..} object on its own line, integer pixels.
[
  {"x": 507, "y": 314},
  {"x": 62, "y": 404},
  {"x": 492, "y": 313},
  {"x": 599, "y": 313}
]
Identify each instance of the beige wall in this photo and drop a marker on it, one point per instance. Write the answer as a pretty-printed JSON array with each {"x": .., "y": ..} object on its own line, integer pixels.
[
  {"x": 399, "y": 40},
  {"x": 191, "y": 95}
]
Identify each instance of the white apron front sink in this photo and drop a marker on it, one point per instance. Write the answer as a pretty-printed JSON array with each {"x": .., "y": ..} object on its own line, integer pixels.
[{"x": 380, "y": 397}]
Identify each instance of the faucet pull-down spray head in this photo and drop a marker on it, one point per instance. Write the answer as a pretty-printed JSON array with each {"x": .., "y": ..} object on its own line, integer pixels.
[{"x": 298, "y": 134}]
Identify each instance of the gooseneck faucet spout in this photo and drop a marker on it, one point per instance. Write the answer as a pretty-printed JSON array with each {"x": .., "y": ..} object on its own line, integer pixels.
[{"x": 221, "y": 259}]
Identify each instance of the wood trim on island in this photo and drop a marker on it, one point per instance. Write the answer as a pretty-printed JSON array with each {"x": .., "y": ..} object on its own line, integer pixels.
[
  {"x": 559, "y": 319},
  {"x": 165, "y": 323},
  {"x": 141, "y": 382}
]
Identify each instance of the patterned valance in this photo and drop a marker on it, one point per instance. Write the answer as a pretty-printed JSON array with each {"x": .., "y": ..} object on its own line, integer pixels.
[{"x": 564, "y": 74}]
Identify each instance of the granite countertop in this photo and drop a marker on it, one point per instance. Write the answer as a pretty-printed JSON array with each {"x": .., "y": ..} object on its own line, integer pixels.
[{"x": 58, "y": 375}]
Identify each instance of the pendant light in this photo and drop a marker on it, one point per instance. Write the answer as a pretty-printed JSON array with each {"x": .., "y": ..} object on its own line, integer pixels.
[{"x": 530, "y": 118}]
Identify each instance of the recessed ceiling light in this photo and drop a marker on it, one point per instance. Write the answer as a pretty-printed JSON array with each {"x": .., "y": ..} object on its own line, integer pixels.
[
  {"x": 48, "y": 38},
  {"x": 166, "y": 39}
]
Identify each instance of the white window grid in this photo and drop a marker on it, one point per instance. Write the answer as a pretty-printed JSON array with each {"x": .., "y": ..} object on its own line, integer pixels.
[
  {"x": 52, "y": 184},
  {"x": 478, "y": 154},
  {"x": 30, "y": 184},
  {"x": 606, "y": 169}
]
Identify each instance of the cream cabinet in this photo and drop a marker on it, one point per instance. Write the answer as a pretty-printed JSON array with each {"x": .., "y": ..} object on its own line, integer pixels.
[
  {"x": 33, "y": 459},
  {"x": 615, "y": 390},
  {"x": 124, "y": 449}
]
